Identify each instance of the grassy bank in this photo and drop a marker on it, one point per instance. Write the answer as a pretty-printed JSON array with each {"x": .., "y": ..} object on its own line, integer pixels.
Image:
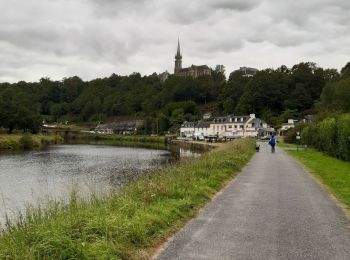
[
  {"x": 89, "y": 137},
  {"x": 128, "y": 224},
  {"x": 14, "y": 142},
  {"x": 332, "y": 172},
  {"x": 132, "y": 138}
]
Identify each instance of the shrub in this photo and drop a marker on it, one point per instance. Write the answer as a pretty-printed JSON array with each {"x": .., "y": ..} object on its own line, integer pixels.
[
  {"x": 343, "y": 137},
  {"x": 26, "y": 142},
  {"x": 290, "y": 136},
  {"x": 331, "y": 136},
  {"x": 327, "y": 136}
]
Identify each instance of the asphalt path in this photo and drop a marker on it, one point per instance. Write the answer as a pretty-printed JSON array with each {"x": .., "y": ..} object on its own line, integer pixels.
[{"x": 274, "y": 209}]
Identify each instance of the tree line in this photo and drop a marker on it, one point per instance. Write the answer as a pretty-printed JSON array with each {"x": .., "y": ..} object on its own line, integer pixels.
[{"x": 273, "y": 94}]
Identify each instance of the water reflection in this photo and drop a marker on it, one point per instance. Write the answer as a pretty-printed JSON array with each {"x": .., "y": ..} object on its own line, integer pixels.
[{"x": 33, "y": 177}]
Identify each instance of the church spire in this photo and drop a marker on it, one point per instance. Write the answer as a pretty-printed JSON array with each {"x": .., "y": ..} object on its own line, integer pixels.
[
  {"x": 178, "y": 59},
  {"x": 178, "y": 53}
]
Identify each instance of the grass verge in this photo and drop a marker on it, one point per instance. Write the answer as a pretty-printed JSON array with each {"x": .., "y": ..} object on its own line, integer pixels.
[
  {"x": 130, "y": 223},
  {"x": 14, "y": 142},
  {"x": 332, "y": 172}
]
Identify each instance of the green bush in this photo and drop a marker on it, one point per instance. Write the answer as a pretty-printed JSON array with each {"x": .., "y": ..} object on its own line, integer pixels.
[
  {"x": 331, "y": 136},
  {"x": 343, "y": 137},
  {"x": 290, "y": 136},
  {"x": 26, "y": 142},
  {"x": 327, "y": 136}
]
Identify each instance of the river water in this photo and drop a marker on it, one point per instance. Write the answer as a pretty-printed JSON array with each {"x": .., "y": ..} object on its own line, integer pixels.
[{"x": 31, "y": 178}]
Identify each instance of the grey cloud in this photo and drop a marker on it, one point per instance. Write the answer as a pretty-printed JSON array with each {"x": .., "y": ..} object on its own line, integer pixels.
[
  {"x": 189, "y": 12},
  {"x": 240, "y": 5},
  {"x": 88, "y": 37}
]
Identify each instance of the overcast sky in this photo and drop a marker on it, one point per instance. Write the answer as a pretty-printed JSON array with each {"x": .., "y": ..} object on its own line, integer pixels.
[{"x": 95, "y": 38}]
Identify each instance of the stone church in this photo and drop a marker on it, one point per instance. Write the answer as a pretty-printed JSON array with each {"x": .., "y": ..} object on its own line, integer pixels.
[{"x": 193, "y": 71}]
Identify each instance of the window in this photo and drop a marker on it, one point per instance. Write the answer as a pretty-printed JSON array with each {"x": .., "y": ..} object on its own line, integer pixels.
[
  {"x": 241, "y": 119},
  {"x": 230, "y": 126},
  {"x": 235, "y": 126},
  {"x": 241, "y": 126}
]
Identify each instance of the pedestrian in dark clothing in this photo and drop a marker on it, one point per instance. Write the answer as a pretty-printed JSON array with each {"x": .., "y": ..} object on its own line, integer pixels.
[{"x": 272, "y": 142}]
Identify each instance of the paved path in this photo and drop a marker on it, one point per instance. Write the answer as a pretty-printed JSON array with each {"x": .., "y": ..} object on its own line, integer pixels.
[{"x": 273, "y": 210}]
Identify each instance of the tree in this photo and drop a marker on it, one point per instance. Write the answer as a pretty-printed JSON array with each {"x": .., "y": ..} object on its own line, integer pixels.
[{"x": 177, "y": 116}]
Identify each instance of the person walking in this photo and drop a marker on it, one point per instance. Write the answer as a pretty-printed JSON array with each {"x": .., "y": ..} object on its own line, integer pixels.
[{"x": 272, "y": 142}]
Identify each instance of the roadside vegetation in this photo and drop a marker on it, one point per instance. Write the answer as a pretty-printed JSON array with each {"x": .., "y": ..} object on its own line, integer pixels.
[
  {"x": 128, "y": 224},
  {"x": 332, "y": 136},
  {"x": 17, "y": 142},
  {"x": 332, "y": 172}
]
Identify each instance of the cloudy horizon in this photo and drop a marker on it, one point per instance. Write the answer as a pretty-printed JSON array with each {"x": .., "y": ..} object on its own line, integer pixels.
[{"x": 91, "y": 39}]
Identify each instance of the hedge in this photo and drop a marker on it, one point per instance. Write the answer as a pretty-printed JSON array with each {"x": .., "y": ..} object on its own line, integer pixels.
[{"x": 332, "y": 136}]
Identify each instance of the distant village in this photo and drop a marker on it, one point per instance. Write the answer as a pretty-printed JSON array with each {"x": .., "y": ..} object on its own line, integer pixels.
[{"x": 225, "y": 127}]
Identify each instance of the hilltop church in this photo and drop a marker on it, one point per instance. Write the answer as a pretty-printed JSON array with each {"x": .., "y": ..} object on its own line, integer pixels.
[{"x": 193, "y": 71}]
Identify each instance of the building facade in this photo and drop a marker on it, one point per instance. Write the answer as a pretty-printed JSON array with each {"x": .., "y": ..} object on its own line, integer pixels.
[
  {"x": 228, "y": 127},
  {"x": 187, "y": 129},
  {"x": 248, "y": 72}
]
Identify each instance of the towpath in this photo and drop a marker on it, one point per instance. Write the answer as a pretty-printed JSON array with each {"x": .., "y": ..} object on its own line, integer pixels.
[{"x": 272, "y": 210}]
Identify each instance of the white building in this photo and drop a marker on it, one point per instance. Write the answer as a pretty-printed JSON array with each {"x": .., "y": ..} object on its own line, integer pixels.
[
  {"x": 207, "y": 116},
  {"x": 202, "y": 129},
  {"x": 234, "y": 126},
  {"x": 187, "y": 129},
  {"x": 289, "y": 124},
  {"x": 229, "y": 127}
]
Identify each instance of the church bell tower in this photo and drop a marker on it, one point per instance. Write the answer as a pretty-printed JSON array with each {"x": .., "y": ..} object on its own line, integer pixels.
[{"x": 178, "y": 59}]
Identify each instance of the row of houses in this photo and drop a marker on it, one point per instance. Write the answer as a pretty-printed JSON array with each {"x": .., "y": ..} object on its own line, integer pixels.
[
  {"x": 229, "y": 126},
  {"x": 125, "y": 127}
]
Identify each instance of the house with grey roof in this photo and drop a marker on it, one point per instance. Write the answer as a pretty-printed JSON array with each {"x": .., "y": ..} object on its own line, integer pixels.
[
  {"x": 201, "y": 129},
  {"x": 187, "y": 129},
  {"x": 123, "y": 127},
  {"x": 230, "y": 126}
]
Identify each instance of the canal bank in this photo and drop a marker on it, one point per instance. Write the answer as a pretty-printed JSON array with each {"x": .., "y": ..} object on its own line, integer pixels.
[
  {"x": 132, "y": 222},
  {"x": 26, "y": 141}
]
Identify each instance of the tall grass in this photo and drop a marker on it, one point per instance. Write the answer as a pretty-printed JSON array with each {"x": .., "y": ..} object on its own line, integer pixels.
[
  {"x": 86, "y": 137},
  {"x": 26, "y": 141},
  {"x": 127, "y": 224}
]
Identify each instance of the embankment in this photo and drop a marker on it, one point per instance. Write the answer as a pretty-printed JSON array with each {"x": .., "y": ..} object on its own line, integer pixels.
[
  {"x": 84, "y": 137},
  {"x": 17, "y": 142},
  {"x": 131, "y": 223}
]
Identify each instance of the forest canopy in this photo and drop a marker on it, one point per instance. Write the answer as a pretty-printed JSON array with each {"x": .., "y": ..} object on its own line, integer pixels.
[{"x": 273, "y": 94}]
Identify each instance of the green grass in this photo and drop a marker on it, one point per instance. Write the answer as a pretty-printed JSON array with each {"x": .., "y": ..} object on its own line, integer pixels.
[
  {"x": 128, "y": 224},
  {"x": 121, "y": 139},
  {"x": 14, "y": 142},
  {"x": 332, "y": 172},
  {"x": 286, "y": 145},
  {"x": 132, "y": 138}
]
